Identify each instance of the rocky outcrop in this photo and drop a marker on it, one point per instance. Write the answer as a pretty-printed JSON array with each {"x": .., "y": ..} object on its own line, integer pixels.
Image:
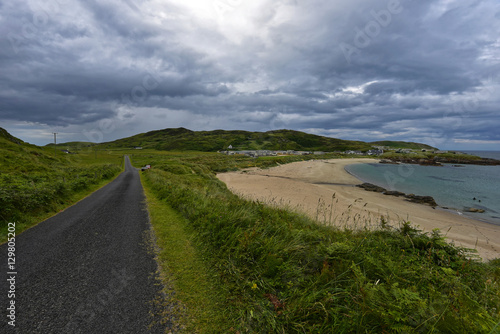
[
  {"x": 478, "y": 161},
  {"x": 388, "y": 161},
  {"x": 426, "y": 200},
  {"x": 439, "y": 161},
  {"x": 403, "y": 160},
  {"x": 393, "y": 193},
  {"x": 429, "y": 162},
  {"x": 371, "y": 187}
]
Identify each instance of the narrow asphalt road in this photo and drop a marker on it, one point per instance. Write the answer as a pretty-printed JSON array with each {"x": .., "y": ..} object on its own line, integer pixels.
[{"x": 88, "y": 269}]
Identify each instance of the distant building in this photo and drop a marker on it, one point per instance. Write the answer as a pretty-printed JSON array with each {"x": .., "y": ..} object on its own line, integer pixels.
[
  {"x": 375, "y": 152},
  {"x": 138, "y": 147}
]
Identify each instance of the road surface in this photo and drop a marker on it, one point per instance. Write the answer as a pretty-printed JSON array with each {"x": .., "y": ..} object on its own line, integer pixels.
[{"x": 88, "y": 269}]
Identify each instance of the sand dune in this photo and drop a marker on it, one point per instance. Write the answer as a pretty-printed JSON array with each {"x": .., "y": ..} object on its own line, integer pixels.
[{"x": 326, "y": 192}]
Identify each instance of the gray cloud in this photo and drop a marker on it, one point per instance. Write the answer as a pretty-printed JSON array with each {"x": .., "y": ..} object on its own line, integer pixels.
[{"x": 369, "y": 70}]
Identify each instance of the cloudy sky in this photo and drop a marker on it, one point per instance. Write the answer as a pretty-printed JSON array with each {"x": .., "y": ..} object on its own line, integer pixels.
[{"x": 98, "y": 70}]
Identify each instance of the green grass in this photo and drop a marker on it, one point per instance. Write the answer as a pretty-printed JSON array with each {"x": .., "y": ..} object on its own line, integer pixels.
[
  {"x": 189, "y": 281},
  {"x": 36, "y": 183},
  {"x": 284, "y": 273}
]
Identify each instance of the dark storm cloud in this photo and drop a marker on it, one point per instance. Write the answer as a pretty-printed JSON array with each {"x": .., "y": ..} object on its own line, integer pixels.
[{"x": 393, "y": 69}]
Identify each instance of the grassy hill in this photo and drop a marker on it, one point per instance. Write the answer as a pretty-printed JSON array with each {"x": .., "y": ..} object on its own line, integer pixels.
[
  {"x": 16, "y": 156},
  {"x": 181, "y": 139},
  {"x": 402, "y": 144},
  {"x": 5, "y": 136},
  {"x": 36, "y": 182}
]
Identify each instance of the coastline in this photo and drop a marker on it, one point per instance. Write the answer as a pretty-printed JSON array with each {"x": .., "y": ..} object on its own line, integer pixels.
[
  {"x": 325, "y": 191},
  {"x": 456, "y": 205}
]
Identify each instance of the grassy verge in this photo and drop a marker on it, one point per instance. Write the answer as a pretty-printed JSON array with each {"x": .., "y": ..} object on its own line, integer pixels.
[
  {"x": 280, "y": 272},
  {"x": 188, "y": 280}
]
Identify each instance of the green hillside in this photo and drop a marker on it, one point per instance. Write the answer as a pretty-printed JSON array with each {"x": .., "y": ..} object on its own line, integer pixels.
[
  {"x": 36, "y": 182},
  {"x": 402, "y": 144},
  {"x": 7, "y": 137},
  {"x": 16, "y": 156},
  {"x": 181, "y": 139}
]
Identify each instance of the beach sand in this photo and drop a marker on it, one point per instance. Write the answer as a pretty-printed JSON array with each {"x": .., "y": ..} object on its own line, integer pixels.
[{"x": 326, "y": 192}]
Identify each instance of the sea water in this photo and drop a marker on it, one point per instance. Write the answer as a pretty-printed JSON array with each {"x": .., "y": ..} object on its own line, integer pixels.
[{"x": 454, "y": 186}]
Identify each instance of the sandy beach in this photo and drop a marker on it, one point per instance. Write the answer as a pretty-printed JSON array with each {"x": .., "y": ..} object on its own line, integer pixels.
[{"x": 323, "y": 190}]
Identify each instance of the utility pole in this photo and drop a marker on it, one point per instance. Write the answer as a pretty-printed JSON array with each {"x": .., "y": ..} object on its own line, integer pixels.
[{"x": 55, "y": 142}]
